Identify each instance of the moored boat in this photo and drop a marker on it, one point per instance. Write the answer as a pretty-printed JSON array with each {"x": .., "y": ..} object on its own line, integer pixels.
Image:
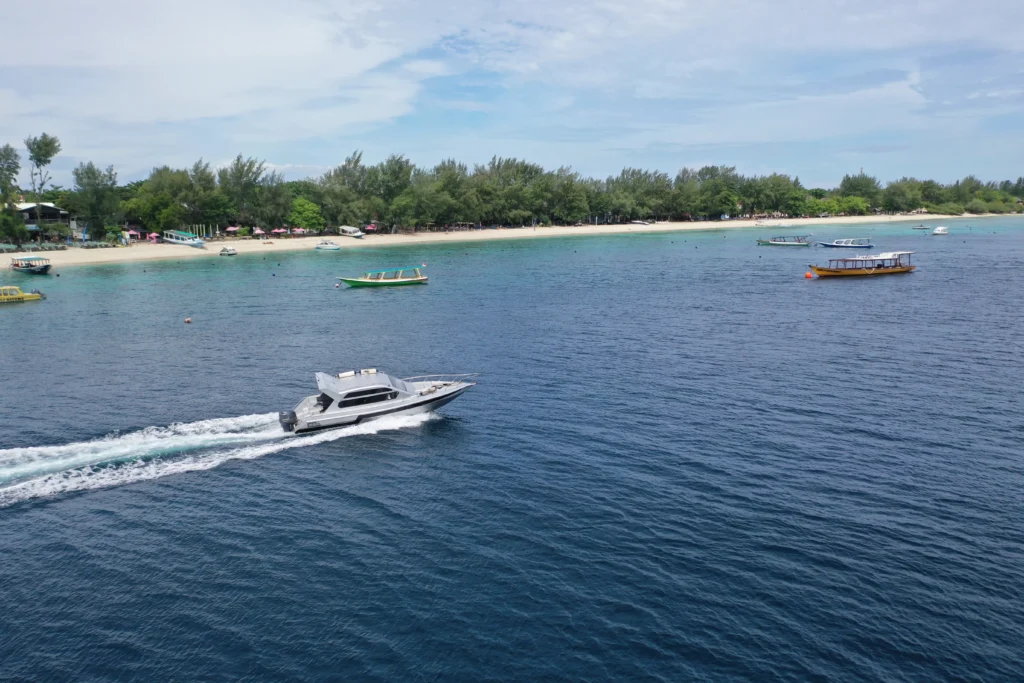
[
  {"x": 352, "y": 397},
  {"x": 229, "y": 251},
  {"x": 921, "y": 227},
  {"x": 183, "y": 238},
  {"x": 12, "y": 295},
  {"x": 389, "y": 277},
  {"x": 939, "y": 231},
  {"x": 881, "y": 264},
  {"x": 848, "y": 243},
  {"x": 33, "y": 265},
  {"x": 327, "y": 245},
  {"x": 787, "y": 241}
]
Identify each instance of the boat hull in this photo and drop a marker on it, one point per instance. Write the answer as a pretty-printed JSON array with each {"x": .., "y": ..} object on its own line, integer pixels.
[
  {"x": 32, "y": 270},
  {"x": 426, "y": 406},
  {"x": 769, "y": 243},
  {"x": 859, "y": 272},
  {"x": 361, "y": 282},
  {"x": 846, "y": 246},
  {"x": 19, "y": 298}
]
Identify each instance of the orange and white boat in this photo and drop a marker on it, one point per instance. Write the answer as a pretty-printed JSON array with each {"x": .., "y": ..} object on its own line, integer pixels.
[{"x": 880, "y": 264}]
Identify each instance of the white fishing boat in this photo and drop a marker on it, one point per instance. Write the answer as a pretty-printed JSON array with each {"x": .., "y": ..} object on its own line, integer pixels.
[
  {"x": 186, "y": 239},
  {"x": 327, "y": 245},
  {"x": 229, "y": 251},
  {"x": 939, "y": 231}
]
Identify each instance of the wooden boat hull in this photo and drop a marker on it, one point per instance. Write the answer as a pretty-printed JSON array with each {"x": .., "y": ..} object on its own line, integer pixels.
[
  {"x": 398, "y": 282},
  {"x": 769, "y": 243},
  {"x": 848, "y": 272},
  {"x": 32, "y": 270}
]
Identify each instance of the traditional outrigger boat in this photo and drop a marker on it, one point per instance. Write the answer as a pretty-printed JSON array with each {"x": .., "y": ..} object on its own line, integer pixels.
[
  {"x": 33, "y": 265},
  {"x": 882, "y": 264},
  {"x": 13, "y": 295},
  {"x": 849, "y": 243},
  {"x": 794, "y": 241},
  {"x": 389, "y": 277}
]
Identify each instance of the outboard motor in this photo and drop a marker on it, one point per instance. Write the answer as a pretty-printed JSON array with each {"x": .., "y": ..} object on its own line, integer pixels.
[{"x": 288, "y": 420}]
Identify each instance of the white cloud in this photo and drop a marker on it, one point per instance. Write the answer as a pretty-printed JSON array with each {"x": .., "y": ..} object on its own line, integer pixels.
[{"x": 148, "y": 83}]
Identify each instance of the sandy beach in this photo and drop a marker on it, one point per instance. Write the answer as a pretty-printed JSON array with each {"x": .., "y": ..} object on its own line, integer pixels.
[{"x": 150, "y": 252}]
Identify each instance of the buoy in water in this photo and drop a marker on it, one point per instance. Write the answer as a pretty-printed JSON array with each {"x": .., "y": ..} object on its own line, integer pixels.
[
  {"x": 808, "y": 275},
  {"x": 336, "y": 285},
  {"x": 188, "y": 321}
]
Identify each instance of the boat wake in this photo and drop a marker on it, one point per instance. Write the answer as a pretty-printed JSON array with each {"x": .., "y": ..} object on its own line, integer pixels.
[{"x": 154, "y": 452}]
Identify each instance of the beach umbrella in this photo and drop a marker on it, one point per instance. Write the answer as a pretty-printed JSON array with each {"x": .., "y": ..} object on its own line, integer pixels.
[
  {"x": 299, "y": 231},
  {"x": 257, "y": 231},
  {"x": 278, "y": 231},
  {"x": 232, "y": 229},
  {"x": 132, "y": 232},
  {"x": 153, "y": 235}
]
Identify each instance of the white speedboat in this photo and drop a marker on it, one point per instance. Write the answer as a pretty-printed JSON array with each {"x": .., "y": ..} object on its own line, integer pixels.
[
  {"x": 349, "y": 231},
  {"x": 229, "y": 251},
  {"x": 357, "y": 396},
  {"x": 327, "y": 245},
  {"x": 941, "y": 230}
]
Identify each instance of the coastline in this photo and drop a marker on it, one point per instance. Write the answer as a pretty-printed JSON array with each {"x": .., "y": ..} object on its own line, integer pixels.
[{"x": 153, "y": 252}]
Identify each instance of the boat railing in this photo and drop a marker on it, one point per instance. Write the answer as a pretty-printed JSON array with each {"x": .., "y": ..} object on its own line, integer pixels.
[{"x": 443, "y": 378}]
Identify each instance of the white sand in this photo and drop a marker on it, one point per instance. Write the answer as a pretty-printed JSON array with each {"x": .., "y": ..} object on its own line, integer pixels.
[{"x": 149, "y": 252}]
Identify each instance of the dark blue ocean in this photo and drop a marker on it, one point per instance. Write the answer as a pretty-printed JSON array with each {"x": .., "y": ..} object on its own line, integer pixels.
[{"x": 683, "y": 461}]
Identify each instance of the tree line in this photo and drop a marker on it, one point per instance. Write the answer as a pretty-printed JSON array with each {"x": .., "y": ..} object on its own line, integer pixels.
[{"x": 397, "y": 194}]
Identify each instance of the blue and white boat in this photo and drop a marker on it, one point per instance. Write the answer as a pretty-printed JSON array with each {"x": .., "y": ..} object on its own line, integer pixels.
[
  {"x": 849, "y": 243},
  {"x": 185, "y": 238}
]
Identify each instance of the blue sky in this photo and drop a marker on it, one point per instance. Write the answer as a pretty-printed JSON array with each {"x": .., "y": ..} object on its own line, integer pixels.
[{"x": 818, "y": 89}]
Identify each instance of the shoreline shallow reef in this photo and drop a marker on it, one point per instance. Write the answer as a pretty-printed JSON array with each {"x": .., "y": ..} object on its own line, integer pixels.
[{"x": 146, "y": 251}]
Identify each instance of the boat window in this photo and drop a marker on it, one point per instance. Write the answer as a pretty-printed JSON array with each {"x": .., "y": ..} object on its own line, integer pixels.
[
  {"x": 364, "y": 396},
  {"x": 324, "y": 401}
]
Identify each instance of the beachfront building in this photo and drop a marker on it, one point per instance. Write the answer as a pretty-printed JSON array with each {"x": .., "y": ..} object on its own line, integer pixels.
[{"x": 44, "y": 217}]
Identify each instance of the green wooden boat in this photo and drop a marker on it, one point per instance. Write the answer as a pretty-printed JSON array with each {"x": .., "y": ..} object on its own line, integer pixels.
[{"x": 389, "y": 277}]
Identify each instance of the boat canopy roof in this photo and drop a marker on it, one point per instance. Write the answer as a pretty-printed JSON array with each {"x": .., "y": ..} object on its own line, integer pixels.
[
  {"x": 30, "y": 259},
  {"x": 885, "y": 256},
  {"x": 395, "y": 270},
  {"x": 339, "y": 385}
]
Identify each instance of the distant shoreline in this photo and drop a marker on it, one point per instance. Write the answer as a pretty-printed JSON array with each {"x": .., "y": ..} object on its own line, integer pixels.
[{"x": 156, "y": 252}]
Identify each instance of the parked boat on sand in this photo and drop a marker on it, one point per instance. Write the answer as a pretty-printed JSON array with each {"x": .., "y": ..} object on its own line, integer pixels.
[{"x": 186, "y": 239}]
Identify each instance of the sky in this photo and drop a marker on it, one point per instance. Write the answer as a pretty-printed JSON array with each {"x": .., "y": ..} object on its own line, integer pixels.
[{"x": 924, "y": 88}]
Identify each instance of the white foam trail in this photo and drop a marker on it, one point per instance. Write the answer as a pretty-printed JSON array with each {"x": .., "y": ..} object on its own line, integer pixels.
[{"x": 118, "y": 460}]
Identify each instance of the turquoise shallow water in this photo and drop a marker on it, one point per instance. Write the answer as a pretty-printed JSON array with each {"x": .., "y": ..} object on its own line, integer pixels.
[{"x": 683, "y": 461}]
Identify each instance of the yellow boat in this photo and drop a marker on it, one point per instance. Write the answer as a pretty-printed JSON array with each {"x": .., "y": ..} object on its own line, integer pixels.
[
  {"x": 11, "y": 295},
  {"x": 882, "y": 264}
]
